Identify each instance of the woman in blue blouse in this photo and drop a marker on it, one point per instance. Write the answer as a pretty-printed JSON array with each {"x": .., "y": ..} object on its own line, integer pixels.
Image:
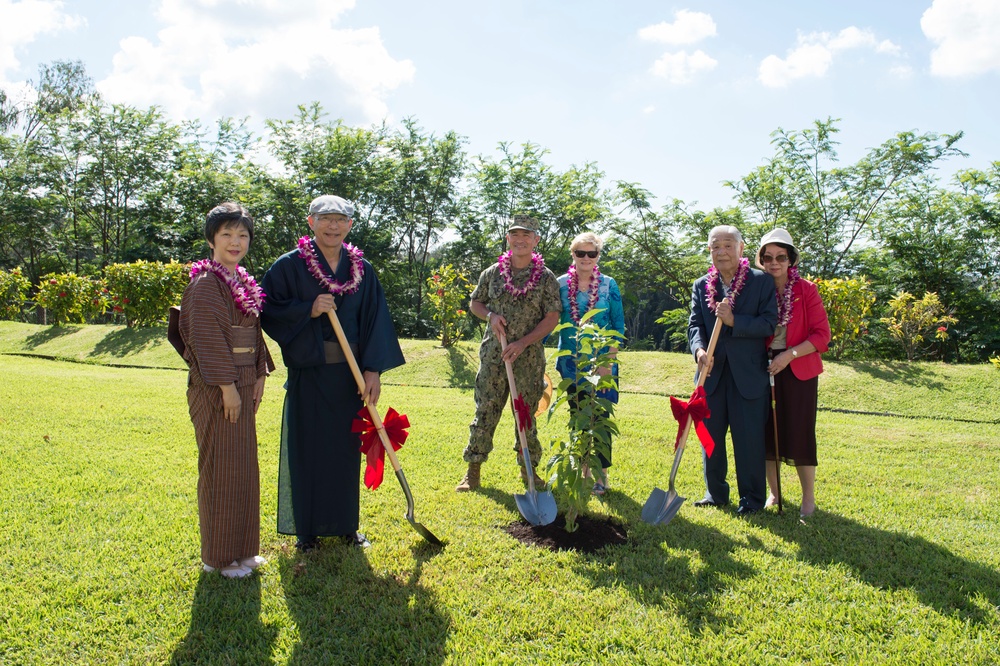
[{"x": 584, "y": 288}]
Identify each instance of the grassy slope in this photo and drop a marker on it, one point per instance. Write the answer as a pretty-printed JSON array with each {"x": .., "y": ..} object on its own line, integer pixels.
[{"x": 98, "y": 526}]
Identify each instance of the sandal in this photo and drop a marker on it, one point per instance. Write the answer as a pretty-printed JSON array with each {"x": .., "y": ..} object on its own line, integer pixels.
[
  {"x": 234, "y": 570},
  {"x": 599, "y": 488}
]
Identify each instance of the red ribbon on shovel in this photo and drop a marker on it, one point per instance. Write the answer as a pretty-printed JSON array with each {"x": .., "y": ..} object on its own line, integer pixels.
[
  {"x": 524, "y": 414},
  {"x": 697, "y": 409},
  {"x": 395, "y": 429}
]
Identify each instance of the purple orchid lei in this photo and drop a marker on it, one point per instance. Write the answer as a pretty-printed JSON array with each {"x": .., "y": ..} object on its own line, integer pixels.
[
  {"x": 247, "y": 295},
  {"x": 537, "y": 268},
  {"x": 785, "y": 297},
  {"x": 740, "y": 279},
  {"x": 328, "y": 282},
  {"x": 574, "y": 288}
]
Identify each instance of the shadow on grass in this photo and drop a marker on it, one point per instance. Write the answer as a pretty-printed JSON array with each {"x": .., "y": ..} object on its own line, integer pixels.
[
  {"x": 121, "y": 343},
  {"x": 893, "y": 561},
  {"x": 51, "y": 333},
  {"x": 462, "y": 368},
  {"x": 687, "y": 585},
  {"x": 907, "y": 373},
  {"x": 225, "y": 624},
  {"x": 347, "y": 614}
]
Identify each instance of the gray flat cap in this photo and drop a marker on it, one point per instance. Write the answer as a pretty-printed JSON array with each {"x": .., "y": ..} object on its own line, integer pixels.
[{"x": 329, "y": 204}]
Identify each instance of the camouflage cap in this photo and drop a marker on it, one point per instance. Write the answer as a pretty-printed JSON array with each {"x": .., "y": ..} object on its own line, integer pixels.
[{"x": 525, "y": 222}]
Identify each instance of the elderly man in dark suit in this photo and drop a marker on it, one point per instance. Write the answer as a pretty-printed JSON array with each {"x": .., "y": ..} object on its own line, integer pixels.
[{"x": 737, "y": 382}]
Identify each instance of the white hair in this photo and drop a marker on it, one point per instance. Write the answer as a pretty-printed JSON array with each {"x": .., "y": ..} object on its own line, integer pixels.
[{"x": 725, "y": 229}]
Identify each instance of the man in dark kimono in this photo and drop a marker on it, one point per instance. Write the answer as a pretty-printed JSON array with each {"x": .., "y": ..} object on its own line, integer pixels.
[
  {"x": 320, "y": 465},
  {"x": 737, "y": 383}
]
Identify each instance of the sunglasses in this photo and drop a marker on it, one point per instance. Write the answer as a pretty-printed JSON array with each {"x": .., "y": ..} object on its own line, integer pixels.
[
  {"x": 593, "y": 254},
  {"x": 781, "y": 258}
]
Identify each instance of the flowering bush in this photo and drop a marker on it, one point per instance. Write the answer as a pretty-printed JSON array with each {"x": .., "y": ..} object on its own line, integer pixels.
[
  {"x": 848, "y": 303},
  {"x": 591, "y": 423},
  {"x": 13, "y": 293},
  {"x": 912, "y": 320},
  {"x": 71, "y": 299},
  {"x": 447, "y": 291},
  {"x": 143, "y": 291}
]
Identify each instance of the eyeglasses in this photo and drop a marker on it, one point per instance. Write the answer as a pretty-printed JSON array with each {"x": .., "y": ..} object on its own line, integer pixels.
[
  {"x": 593, "y": 254},
  {"x": 781, "y": 258}
]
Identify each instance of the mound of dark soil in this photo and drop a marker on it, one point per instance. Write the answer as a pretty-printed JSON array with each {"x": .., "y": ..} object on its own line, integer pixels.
[{"x": 590, "y": 536}]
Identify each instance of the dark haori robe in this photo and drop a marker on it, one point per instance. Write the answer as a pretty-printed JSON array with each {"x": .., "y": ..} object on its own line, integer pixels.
[
  {"x": 212, "y": 327},
  {"x": 319, "y": 473}
]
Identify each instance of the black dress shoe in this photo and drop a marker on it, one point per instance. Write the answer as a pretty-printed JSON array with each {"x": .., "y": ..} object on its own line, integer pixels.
[
  {"x": 357, "y": 539},
  {"x": 706, "y": 502},
  {"x": 746, "y": 511},
  {"x": 306, "y": 544}
]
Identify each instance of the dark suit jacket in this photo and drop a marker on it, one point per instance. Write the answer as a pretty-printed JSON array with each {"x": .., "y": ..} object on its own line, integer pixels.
[{"x": 741, "y": 347}]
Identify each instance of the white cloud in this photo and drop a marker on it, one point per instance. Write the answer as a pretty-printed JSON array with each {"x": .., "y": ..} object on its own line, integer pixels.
[
  {"x": 688, "y": 28},
  {"x": 256, "y": 57},
  {"x": 646, "y": 110},
  {"x": 21, "y": 23},
  {"x": 814, "y": 53},
  {"x": 966, "y": 34},
  {"x": 681, "y": 67}
]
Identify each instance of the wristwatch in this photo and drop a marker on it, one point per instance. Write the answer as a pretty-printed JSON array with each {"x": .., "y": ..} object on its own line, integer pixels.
[{"x": 795, "y": 354}]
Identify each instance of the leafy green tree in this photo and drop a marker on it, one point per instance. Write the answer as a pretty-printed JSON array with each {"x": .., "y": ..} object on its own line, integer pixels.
[{"x": 829, "y": 210}]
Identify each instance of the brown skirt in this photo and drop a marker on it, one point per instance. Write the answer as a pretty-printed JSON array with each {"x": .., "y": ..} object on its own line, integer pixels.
[{"x": 795, "y": 402}]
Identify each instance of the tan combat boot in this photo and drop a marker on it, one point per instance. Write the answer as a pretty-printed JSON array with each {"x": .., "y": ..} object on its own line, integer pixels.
[{"x": 471, "y": 479}]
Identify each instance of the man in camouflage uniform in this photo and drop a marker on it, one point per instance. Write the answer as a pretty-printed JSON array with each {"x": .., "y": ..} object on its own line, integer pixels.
[{"x": 525, "y": 320}]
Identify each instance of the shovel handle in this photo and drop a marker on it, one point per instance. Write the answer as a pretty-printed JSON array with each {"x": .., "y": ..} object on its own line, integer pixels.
[
  {"x": 517, "y": 421},
  {"x": 682, "y": 438},
  {"x": 360, "y": 379}
]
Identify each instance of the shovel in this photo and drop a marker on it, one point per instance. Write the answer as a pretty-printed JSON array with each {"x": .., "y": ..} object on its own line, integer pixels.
[
  {"x": 662, "y": 506},
  {"x": 538, "y": 508},
  {"x": 377, "y": 420}
]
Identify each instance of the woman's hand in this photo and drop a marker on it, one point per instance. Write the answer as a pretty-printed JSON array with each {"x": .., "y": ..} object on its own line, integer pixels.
[
  {"x": 779, "y": 362},
  {"x": 231, "y": 402},
  {"x": 258, "y": 393}
]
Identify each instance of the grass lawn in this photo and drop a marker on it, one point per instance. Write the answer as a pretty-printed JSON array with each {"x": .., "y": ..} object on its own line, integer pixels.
[{"x": 100, "y": 559}]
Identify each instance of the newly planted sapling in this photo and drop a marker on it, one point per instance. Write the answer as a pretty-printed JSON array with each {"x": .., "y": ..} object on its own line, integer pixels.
[{"x": 591, "y": 422}]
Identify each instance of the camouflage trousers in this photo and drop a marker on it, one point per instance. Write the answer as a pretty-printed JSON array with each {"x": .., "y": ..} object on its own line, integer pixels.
[{"x": 492, "y": 398}]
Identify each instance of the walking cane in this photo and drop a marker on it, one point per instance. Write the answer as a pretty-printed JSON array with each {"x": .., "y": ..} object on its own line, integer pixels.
[{"x": 777, "y": 458}]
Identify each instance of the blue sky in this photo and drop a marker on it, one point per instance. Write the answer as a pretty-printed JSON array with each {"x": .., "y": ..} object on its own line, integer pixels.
[{"x": 676, "y": 96}]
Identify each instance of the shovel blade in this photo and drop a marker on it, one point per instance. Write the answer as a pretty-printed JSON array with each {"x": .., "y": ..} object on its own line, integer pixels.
[
  {"x": 661, "y": 507},
  {"x": 425, "y": 533},
  {"x": 537, "y": 508}
]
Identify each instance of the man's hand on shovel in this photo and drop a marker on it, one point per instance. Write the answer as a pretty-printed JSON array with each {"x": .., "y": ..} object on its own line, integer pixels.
[{"x": 373, "y": 388}]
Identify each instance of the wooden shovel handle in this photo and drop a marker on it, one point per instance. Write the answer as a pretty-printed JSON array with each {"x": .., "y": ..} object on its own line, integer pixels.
[
  {"x": 360, "y": 379},
  {"x": 702, "y": 376}
]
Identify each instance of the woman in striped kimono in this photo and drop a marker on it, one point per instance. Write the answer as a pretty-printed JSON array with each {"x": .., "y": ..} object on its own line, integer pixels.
[{"x": 224, "y": 348}]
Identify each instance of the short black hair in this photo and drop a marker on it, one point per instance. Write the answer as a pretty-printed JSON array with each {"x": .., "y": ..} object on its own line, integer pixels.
[{"x": 227, "y": 214}]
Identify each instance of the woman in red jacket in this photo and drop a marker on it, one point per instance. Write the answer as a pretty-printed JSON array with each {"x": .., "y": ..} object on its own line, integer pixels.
[{"x": 802, "y": 334}]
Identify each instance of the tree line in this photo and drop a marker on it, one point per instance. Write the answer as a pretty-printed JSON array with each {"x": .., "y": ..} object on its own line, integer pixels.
[{"x": 85, "y": 184}]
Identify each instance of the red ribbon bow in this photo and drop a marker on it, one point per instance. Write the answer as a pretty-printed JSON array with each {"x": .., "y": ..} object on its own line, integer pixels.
[
  {"x": 524, "y": 412},
  {"x": 395, "y": 425},
  {"x": 697, "y": 409}
]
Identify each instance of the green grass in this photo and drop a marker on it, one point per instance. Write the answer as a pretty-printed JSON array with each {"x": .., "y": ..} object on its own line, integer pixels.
[{"x": 99, "y": 554}]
